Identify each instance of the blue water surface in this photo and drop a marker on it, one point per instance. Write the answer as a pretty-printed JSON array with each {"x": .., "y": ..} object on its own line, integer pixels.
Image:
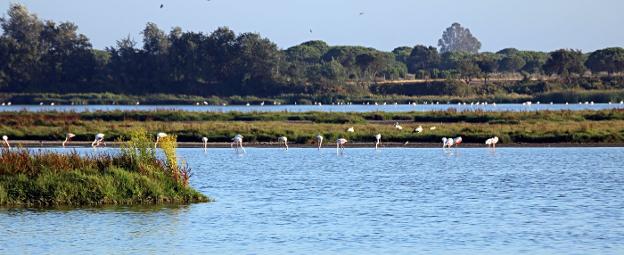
[{"x": 361, "y": 201}]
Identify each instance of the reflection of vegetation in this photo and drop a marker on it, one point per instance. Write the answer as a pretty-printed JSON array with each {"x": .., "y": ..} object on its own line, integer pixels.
[
  {"x": 605, "y": 126},
  {"x": 134, "y": 176}
]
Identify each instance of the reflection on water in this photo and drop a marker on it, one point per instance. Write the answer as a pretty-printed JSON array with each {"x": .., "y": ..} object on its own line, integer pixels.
[
  {"x": 361, "y": 201},
  {"x": 323, "y": 108}
]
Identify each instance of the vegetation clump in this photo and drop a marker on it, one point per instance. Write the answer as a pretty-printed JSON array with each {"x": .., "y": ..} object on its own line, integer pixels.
[{"x": 134, "y": 176}]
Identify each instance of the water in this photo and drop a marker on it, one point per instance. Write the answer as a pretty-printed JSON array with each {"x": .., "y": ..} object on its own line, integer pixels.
[
  {"x": 307, "y": 108},
  {"x": 394, "y": 201}
]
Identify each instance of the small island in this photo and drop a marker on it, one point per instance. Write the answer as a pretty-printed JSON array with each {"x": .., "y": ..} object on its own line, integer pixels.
[{"x": 133, "y": 176}]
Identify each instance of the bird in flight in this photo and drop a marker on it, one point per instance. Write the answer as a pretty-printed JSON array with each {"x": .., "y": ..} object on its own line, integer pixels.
[
  {"x": 310, "y": 31},
  {"x": 161, "y": 6},
  {"x": 361, "y": 13}
]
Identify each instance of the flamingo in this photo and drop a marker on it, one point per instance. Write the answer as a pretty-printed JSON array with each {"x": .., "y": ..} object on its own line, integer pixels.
[
  {"x": 418, "y": 129},
  {"x": 492, "y": 142},
  {"x": 99, "y": 138},
  {"x": 447, "y": 142},
  {"x": 283, "y": 139},
  {"x": 6, "y": 141},
  {"x": 351, "y": 130},
  {"x": 238, "y": 141},
  {"x": 458, "y": 141},
  {"x": 159, "y": 136},
  {"x": 378, "y": 138},
  {"x": 340, "y": 143},
  {"x": 205, "y": 140},
  {"x": 495, "y": 141},
  {"x": 68, "y": 137},
  {"x": 397, "y": 126},
  {"x": 319, "y": 140}
]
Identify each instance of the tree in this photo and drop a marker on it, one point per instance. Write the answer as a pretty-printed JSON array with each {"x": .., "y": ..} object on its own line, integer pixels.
[
  {"x": 610, "y": 60},
  {"x": 22, "y": 33},
  {"x": 511, "y": 63},
  {"x": 402, "y": 53},
  {"x": 534, "y": 61},
  {"x": 468, "y": 69},
  {"x": 488, "y": 63},
  {"x": 564, "y": 63},
  {"x": 257, "y": 59},
  {"x": 458, "y": 39},
  {"x": 423, "y": 58}
]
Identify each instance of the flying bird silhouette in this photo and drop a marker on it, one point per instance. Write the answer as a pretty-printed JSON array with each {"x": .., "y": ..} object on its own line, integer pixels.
[{"x": 161, "y": 6}]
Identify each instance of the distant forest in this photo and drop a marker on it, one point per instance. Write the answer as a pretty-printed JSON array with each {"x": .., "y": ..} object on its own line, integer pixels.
[{"x": 42, "y": 56}]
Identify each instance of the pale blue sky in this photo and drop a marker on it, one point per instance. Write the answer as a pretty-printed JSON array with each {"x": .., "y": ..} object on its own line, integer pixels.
[{"x": 529, "y": 24}]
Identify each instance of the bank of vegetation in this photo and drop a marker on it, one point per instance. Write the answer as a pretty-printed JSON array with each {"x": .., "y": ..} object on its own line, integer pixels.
[
  {"x": 604, "y": 126},
  {"x": 134, "y": 176}
]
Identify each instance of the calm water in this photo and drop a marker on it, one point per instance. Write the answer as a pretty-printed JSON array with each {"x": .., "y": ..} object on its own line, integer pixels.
[
  {"x": 324, "y": 108},
  {"x": 394, "y": 201}
]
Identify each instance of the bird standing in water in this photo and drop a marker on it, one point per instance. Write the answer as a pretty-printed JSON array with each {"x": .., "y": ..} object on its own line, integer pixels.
[
  {"x": 283, "y": 140},
  {"x": 238, "y": 142},
  {"x": 68, "y": 137},
  {"x": 319, "y": 140},
  {"x": 6, "y": 141},
  {"x": 378, "y": 138},
  {"x": 99, "y": 139},
  {"x": 340, "y": 143},
  {"x": 205, "y": 140}
]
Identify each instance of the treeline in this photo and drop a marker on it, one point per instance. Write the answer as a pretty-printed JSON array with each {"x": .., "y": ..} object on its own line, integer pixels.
[{"x": 43, "y": 56}]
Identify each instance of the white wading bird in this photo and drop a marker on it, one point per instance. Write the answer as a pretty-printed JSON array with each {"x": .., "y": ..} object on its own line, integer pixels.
[
  {"x": 159, "y": 136},
  {"x": 283, "y": 140},
  {"x": 458, "y": 141},
  {"x": 340, "y": 143},
  {"x": 351, "y": 130},
  {"x": 238, "y": 142},
  {"x": 99, "y": 139},
  {"x": 68, "y": 137},
  {"x": 319, "y": 140},
  {"x": 378, "y": 138},
  {"x": 447, "y": 142},
  {"x": 6, "y": 141},
  {"x": 492, "y": 142},
  {"x": 418, "y": 129},
  {"x": 397, "y": 126},
  {"x": 205, "y": 140}
]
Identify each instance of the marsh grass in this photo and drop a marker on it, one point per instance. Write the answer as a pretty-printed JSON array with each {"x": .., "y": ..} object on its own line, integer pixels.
[
  {"x": 133, "y": 176},
  {"x": 604, "y": 126}
]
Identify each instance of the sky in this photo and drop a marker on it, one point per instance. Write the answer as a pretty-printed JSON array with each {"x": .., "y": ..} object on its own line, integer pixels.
[{"x": 543, "y": 25}]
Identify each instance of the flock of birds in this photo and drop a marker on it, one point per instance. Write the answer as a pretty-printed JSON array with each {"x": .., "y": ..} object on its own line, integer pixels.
[{"x": 237, "y": 140}]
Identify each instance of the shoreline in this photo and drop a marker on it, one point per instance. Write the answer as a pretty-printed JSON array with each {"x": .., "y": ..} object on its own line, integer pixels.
[{"x": 81, "y": 144}]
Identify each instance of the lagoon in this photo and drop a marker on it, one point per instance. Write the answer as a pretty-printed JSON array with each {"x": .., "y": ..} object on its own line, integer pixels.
[{"x": 392, "y": 201}]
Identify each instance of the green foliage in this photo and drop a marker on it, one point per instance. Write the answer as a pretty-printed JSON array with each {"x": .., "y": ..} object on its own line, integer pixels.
[
  {"x": 565, "y": 62},
  {"x": 41, "y": 56},
  {"x": 458, "y": 39},
  {"x": 133, "y": 176},
  {"x": 606, "y": 126},
  {"x": 609, "y": 60}
]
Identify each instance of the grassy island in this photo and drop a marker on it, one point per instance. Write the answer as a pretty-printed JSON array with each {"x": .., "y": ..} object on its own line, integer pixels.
[
  {"x": 133, "y": 176},
  {"x": 530, "y": 127}
]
